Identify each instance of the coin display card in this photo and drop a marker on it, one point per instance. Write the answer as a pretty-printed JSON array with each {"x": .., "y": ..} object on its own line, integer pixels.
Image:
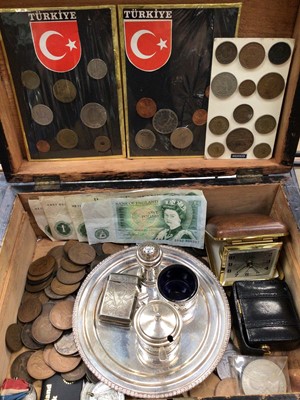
[
  {"x": 64, "y": 69},
  {"x": 248, "y": 80},
  {"x": 166, "y": 56}
]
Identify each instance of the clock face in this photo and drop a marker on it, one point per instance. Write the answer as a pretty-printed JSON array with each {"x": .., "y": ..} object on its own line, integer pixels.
[{"x": 250, "y": 263}]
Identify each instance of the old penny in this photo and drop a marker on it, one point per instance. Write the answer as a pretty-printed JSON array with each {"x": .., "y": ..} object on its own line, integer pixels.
[
  {"x": 239, "y": 140},
  {"x": 37, "y": 286},
  {"x": 270, "y": 85},
  {"x": 262, "y": 150},
  {"x": 145, "y": 139},
  {"x": 226, "y": 52},
  {"x": 109, "y": 248},
  {"x": 27, "y": 339},
  {"x": 42, "y": 265},
  {"x": 218, "y": 125},
  {"x": 227, "y": 387},
  {"x": 42, "y": 329},
  {"x": 165, "y": 121},
  {"x": 102, "y": 143},
  {"x": 64, "y": 91},
  {"x": 279, "y": 53},
  {"x": 243, "y": 113},
  {"x": 43, "y": 146},
  {"x": 29, "y": 310},
  {"x": 97, "y": 68},
  {"x": 69, "y": 278},
  {"x": 206, "y": 92},
  {"x": 224, "y": 85},
  {"x": 265, "y": 124},
  {"x": 37, "y": 368},
  {"x": 46, "y": 352},
  {"x": 247, "y": 87},
  {"x": 30, "y": 79},
  {"x": 18, "y": 368},
  {"x": 42, "y": 114},
  {"x": 66, "y": 345},
  {"x": 76, "y": 374},
  {"x": 61, "y": 314},
  {"x": 181, "y": 138},
  {"x": 69, "y": 266},
  {"x": 67, "y": 138},
  {"x": 216, "y": 149},
  {"x": 93, "y": 115},
  {"x": 206, "y": 388},
  {"x": 146, "y": 107},
  {"x": 49, "y": 292},
  {"x": 68, "y": 245},
  {"x": 252, "y": 55},
  {"x": 57, "y": 252},
  {"x": 82, "y": 253},
  {"x": 13, "y": 337},
  {"x": 199, "y": 117},
  {"x": 62, "y": 363},
  {"x": 62, "y": 289}
]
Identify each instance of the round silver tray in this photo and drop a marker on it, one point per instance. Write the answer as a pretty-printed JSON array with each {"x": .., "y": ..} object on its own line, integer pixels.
[{"x": 110, "y": 351}]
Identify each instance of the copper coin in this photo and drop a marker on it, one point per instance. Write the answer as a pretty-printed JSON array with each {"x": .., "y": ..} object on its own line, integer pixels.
[
  {"x": 262, "y": 150},
  {"x": 49, "y": 292},
  {"x": 66, "y": 345},
  {"x": 64, "y": 91},
  {"x": 216, "y": 149},
  {"x": 67, "y": 138},
  {"x": 239, "y": 140},
  {"x": 29, "y": 310},
  {"x": 27, "y": 339},
  {"x": 76, "y": 374},
  {"x": 61, "y": 314},
  {"x": 252, "y": 55},
  {"x": 37, "y": 368},
  {"x": 82, "y": 253},
  {"x": 68, "y": 278},
  {"x": 181, "y": 138},
  {"x": 218, "y": 125},
  {"x": 199, "y": 117},
  {"x": 145, "y": 139},
  {"x": 13, "y": 337},
  {"x": 224, "y": 85},
  {"x": 93, "y": 115},
  {"x": 294, "y": 375},
  {"x": 270, "y": 85},
  {"x": 265, "y": 124},
  {"x": 30, "y": 79},
  {"x": 69, "y": 266},
  {"x": 112, "y": 248},
  {"x": 243, "y": 113},
  {"x": 279, "y": 53},
  {"x": 18, "y": 368},
  {"x": 206, "y": 93},
  {"x": 62, "y": 363},
  {"x": 46, "y": 352},
  {"x": 206, "y": 388},
  {"x": 42, "y": 265},
  {"x": 43, "y": 146},
  {"x": 97, "y": 68},
  {"x": 226, "y": 52},
  {"x": 146, "y": 107},
  {"x": 37, "y": 287},
  {"x": 68, "y": 245},
  {"x": 227, "y": 387},
  {"x": 165, "y": 121},
  {"x": 43, "y": 331},
  {"x": 62, "y": 289},
  {"x": 102, "y": 143},
  {"x": 39, "y": 295},
  {"x": 247, "y": 87},
  {"x": 39, "y": 278},
  {"x": 42, "y": 114},
  {"x": 57, "y": 252}
]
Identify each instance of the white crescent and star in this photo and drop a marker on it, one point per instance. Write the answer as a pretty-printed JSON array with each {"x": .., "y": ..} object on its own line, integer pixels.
[
  {"x": 44, "y": 49},
  {"x": 134, "y": 44}
]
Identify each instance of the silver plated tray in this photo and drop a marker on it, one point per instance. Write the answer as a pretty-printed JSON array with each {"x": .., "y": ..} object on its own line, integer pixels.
[{"x": 110, "y": 351}]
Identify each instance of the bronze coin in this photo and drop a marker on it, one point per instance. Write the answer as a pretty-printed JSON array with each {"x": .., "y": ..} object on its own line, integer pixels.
[
  {"x": 42, "y": 265},
  {"x": 37, "y": 287},
  {"x": 76, "y": 374},
  {"x": 224, "y": 85},
  {"x": 262, "y": 150},
  {"x": 165, "y": 121},
  {"x": 39, "y": 295},
  {"x": 46, "y": 352},
  {"x": 181, "y": 138},
  {"x": 247, "y": 87},
  {"x": 27, "y": 339},
  {"x": 37, "y": 368},
  {"x": 68, "y": 278},
  {"x": 146, "y": 107},
  {"x": 206, "y": 93},
  {"x": 68, "y": 245},
  {"x": 270, "y": 85},
  {"x": 199, "y": 117},
  {"x": 227, "y": 387},
  {"x": 82, "y": 253},
  {"x": 93, "y": 115},
  {"x": 62, "y": 289},
  {"x": 97, "y": 68},
  {"x": 30, "y": 79},
  {"x": 29, "y": 310},
  {"x": 252, "y": 55},
  {"x": 62, "y": 363},
  {"x": 43, "y": 331},
  {"x": 43, "y": 146},
  {"x": 112, "y": 248},
  {"x": 49, "y": 292},
  {"x": 206, "y": 388},
  {"x": 145, "y": 139},
  {"x": 265, "y": 124},
  {"x": 18, "y": 368},
  {"x": 279, "y": 53},
  {"x": 216, "y": 149},
  {"x": 64, "y": 91},
  {"x": 67, "y": 138},
  {"x": 102, "y": 143},
  {"x": 61, "y": 314},
  {"x": 243, "y": 113},
  {"x": 69, "y": 266},
  {"x": 13, "y": 337},
  {"x": 226, "y": 52},
  {"x": 42, "y": 114},
  {"x": 239, "y": 140},
  {"x": 218, "y": 125},
  {"x": 57, "y": 252},
  {"x": 38, "y": 278},
  {"x": 66, "y": 345}
]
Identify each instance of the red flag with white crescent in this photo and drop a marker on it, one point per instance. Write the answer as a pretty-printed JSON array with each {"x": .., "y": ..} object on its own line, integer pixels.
[
  {"x": 56, "y": 44},
  {"x": 148, "y": 43}
]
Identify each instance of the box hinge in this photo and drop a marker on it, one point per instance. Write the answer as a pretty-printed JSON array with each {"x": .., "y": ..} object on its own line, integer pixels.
[
  {"x": 244, "y": 176},
  {"x": 47, "y": 183}
]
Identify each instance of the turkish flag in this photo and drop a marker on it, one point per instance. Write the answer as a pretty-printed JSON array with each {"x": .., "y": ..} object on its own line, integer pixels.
[
  {"x": 148, "y": 43},
  {"x": 56, "y": 44}
]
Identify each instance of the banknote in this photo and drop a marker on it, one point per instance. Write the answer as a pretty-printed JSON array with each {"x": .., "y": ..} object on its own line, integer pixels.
[
  {"x": 168, "y": 218},
  {"x": 40, "y": 217}
]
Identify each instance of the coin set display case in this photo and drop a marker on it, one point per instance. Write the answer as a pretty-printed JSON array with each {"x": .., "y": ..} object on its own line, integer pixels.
[{"x": 235, "y": 186}]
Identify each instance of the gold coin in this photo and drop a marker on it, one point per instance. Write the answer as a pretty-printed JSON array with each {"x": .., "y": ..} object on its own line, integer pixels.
[
  {"x": 239, "y": 140},
  {"x": 64, "y": 91},
  {"x": 37, "y": 368},
  {"x": 30, "y": 79},
  {"x": 262, "y": 150},
  {"x": 270, "y": 86},
  {"x": 181, "y": 138},
  {"x": 82, "y": 253},
  {"x": 265, "y": 124},
  {"x": 199, "y": 117},
  {"x": 145, "y": 139},
  {"x": 102, "y": 143},
  {"x": 216, "y": 149},
  {"x": 252, "y": 55},
  {"x": 243, "y": 113},
  {"x": 43, "y": 146},
  {"x": 67, "y": 138},
  {"x": 247, "y": 87},
  {"x": 218, "y": 125},
  {"x": 146, "y": 107}
]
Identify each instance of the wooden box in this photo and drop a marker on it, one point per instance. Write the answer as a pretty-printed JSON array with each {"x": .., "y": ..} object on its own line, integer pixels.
[{"x": 230, "y": 186}]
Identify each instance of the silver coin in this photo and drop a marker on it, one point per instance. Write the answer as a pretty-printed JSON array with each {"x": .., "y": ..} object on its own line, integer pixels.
[
  {"x": 223, "y": 368},
  {"x": 93, "y": 115},
  {"x": 97, "y": 68},
  {"x": 165, "y": 121},
  {"x": 66, "y": 345},
  {"x": 42, "y": 114},
  {"x": 263, "y": 377},
  {"x": 224, "y": 85}
]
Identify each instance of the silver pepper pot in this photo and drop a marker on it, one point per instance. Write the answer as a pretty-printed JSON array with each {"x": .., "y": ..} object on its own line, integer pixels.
[{"x": 149, "y": 255}]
